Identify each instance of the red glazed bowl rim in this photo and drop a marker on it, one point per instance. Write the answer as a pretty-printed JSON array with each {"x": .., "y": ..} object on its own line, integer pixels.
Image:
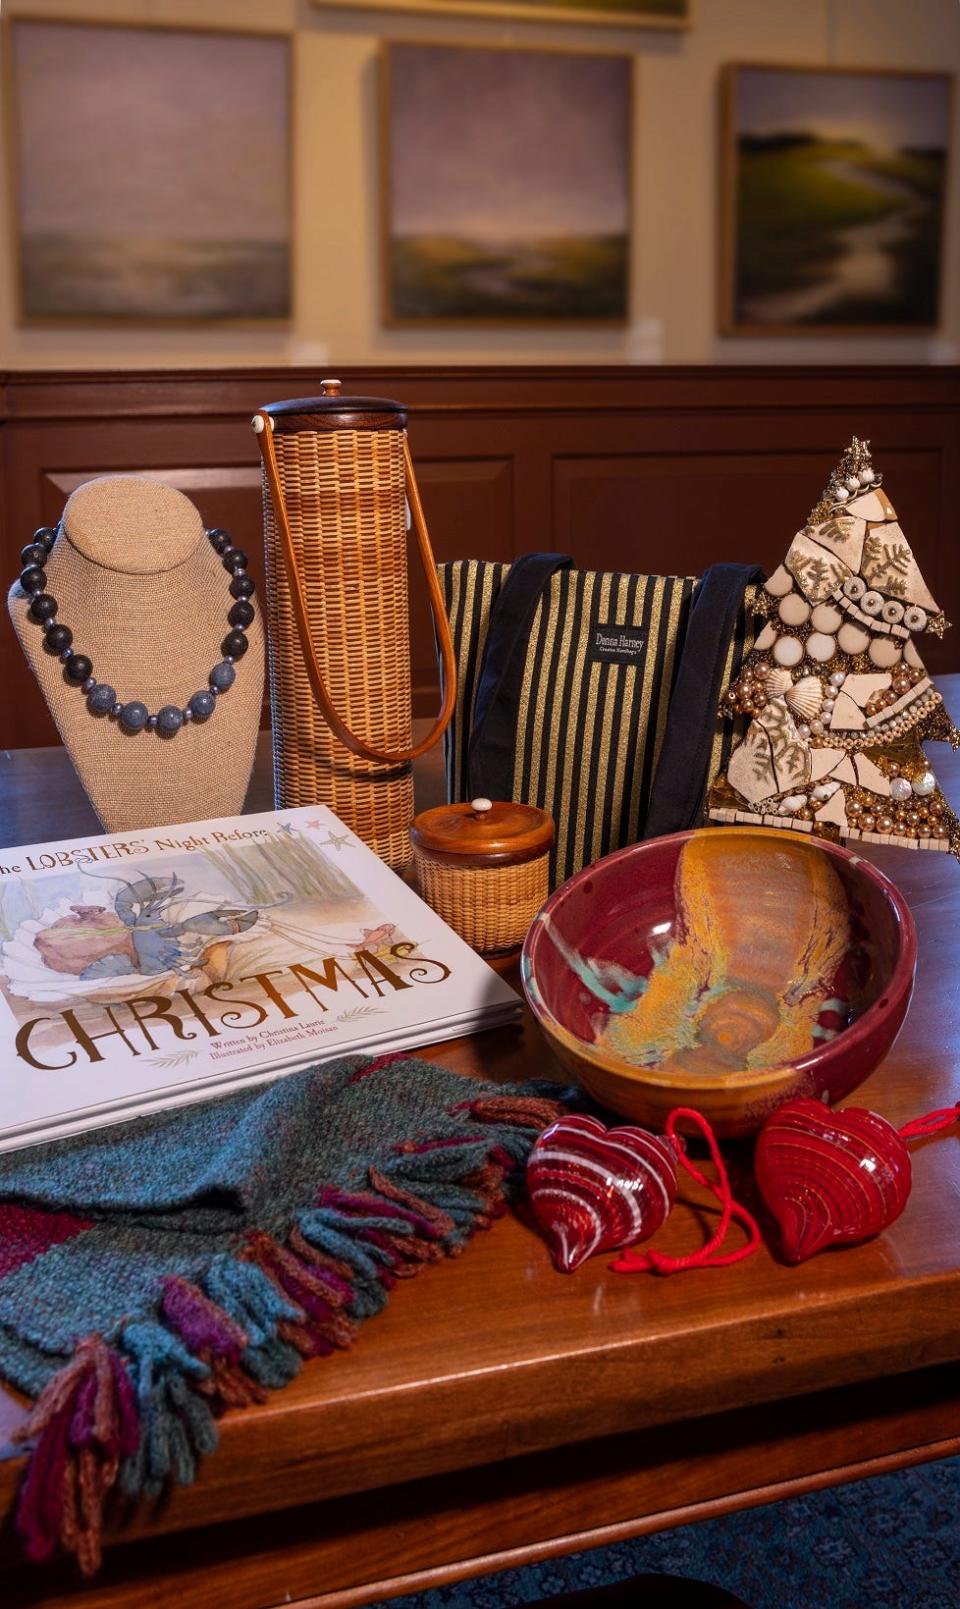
[{"x": 898, "y": 985}]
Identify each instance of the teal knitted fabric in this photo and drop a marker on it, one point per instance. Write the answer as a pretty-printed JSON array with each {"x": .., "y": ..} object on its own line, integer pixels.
[{"x": 158, "y": 1272}]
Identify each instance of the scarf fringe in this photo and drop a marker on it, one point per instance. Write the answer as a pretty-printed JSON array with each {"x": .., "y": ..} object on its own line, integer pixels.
[{"x": 142, "y": 1410}]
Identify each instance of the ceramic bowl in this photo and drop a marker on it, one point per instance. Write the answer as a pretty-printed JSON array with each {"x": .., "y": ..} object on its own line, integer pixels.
[{"x": 603, "y": 933}]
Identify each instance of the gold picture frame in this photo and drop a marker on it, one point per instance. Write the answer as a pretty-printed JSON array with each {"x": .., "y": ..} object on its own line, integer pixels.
[
  {"x": 62, "y": 278},
  {"x": 469, "y": 239},
  {"x": 666, "y": 14},
  {"x": 832, "y": 213}
]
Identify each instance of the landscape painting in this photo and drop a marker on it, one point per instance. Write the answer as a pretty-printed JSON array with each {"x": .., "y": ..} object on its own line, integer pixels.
[
  {"x": 834, "y": 199},
  {"x": 605, "y": 13},
  {"x": 152, "y": 172},
  {"x": 507, "y": 184}
]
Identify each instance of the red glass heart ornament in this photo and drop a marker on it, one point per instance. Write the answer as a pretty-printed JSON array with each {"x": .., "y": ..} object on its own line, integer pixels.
[
  {"x": 830, "y": 1177},
  {"x": 594, "y": 1189}
]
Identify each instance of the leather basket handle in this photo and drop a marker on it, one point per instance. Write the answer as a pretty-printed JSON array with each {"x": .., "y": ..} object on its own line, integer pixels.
[{"x": 349, "y": 739}]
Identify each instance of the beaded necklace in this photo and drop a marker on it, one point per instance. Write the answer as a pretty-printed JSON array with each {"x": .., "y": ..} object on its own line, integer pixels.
[{"x": 102, "y": 699}]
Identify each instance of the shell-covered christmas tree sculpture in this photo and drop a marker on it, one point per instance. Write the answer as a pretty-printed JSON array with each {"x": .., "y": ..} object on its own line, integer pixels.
[{"x": 837, "y": 695}]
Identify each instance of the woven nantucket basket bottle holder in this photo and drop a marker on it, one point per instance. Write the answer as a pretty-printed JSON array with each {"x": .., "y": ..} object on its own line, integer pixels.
[{"x": 338, "y": 480}]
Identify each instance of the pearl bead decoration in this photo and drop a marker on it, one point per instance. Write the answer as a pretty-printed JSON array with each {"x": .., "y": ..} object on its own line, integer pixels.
[
  {"x": 900, "y": 789},
  {"x": 102, "y": 701},
  {"x": 924, "y": 785}
]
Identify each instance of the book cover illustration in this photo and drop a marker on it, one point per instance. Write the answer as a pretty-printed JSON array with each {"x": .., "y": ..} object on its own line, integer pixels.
[{"x": 187, "y": 954}]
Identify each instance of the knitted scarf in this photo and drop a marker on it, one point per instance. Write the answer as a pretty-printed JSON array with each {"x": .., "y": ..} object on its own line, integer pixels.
[{"x": 158, "y": 1272}]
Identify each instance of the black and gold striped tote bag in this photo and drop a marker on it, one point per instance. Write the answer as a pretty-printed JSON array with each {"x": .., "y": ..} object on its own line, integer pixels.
[{"x": 565, "y": 684}]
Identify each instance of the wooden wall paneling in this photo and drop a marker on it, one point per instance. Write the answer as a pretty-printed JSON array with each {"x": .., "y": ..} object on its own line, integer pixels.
[
  {"x": 633, "y": 468},
  {"x": 468, "y": 503}
]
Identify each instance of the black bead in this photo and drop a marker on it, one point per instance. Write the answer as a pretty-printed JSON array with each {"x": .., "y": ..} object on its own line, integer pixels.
[
  {"x": 78, "y": 667},
  {"x": 32, "y": 578},
  {"x": 235, "y": 644},
  {"x": 241, "y": 614},
  {"x": 242, "y": 586},
  {"x": 219, "y": 540},
  {"x": 47, "y": 534},
  {"x": 235, "y": 560},
  {"x": 33, "y": 553},
  {"x": 58, "y": 638},
  {"x": 42, "y": 606}
]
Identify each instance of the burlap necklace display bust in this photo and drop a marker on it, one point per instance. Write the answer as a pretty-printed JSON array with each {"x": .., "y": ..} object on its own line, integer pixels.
[{"x": 146, "y": 597}]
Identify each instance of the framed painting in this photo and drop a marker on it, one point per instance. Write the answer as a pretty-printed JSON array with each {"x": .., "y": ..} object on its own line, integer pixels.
[
  {"x": 506, "y": 189},
  {"x": 151, "y": 172},
  {"x": 833, "y": 195},
  {"x": 603, "y": 13}
]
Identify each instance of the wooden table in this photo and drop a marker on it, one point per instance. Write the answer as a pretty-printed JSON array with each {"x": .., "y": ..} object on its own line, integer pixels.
[{"x": 498, "y": 1413}]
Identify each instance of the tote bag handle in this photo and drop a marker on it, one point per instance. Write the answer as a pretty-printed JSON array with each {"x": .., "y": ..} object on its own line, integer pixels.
[{"x": 337, "y": 725}]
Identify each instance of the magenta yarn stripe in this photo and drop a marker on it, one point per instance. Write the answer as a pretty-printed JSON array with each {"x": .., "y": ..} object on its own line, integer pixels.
[{"x": 27, "y": 1232}]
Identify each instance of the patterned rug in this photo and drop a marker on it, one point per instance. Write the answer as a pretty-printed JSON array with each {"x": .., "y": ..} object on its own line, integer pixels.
[{"x": 892, "y": 1542}]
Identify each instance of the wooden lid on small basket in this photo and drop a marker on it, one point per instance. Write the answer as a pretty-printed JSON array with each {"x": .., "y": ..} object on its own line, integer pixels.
[
  {"x": 331, "y": 411},
  {"x": 483, "y": 833}
]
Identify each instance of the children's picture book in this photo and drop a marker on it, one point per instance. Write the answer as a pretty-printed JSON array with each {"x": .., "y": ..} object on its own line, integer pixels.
[{"x": 143, "y": 971}]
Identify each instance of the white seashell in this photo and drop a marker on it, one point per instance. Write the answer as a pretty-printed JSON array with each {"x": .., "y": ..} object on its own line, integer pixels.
[
  {"x": 820, "y": 647},
  {"x": 866, "y": 476},
  {"x": 805, "y": 698},
  {"x": 825, "y": 790},
  {"x": 853, "y": 482},
  {"x": 792, "y": 803},
  {"x": 841, "y": 493},
  {"x": 780, "y": 583},
  {"x": 788, "y": 651},
  {"x": 826, "y": 618},
  {"x": 794, "y": 610},
  {"x": 775, "y": 682}
]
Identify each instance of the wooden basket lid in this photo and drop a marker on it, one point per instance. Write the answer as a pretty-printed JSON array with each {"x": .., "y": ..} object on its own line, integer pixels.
[
  {"x": 483, "y": 833},
  {"x": 331, "y": 411}
]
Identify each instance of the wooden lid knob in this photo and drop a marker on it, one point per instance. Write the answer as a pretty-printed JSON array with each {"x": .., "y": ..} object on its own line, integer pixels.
[{"x": 330, "y": 388}]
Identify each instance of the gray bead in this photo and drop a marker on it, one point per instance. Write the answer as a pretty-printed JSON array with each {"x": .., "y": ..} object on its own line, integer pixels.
[
  {"x": 152, "y": 723},
  {"x": 169, "y": 720},
  {"x": 89, "y": 684},
  {"x": 102, "y": 699},
  {"x": 222, "y": 676},
  {"x": 65, "y": 655},
  {"x": 117, "y": 710},
  {"x": 133, "y": 715},
  {"x": 202, "y": 705},
  {"x": 187, "y": 713}
]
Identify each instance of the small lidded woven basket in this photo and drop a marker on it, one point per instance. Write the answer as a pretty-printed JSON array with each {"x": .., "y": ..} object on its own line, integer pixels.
[{"x": 484, "y": 868}]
